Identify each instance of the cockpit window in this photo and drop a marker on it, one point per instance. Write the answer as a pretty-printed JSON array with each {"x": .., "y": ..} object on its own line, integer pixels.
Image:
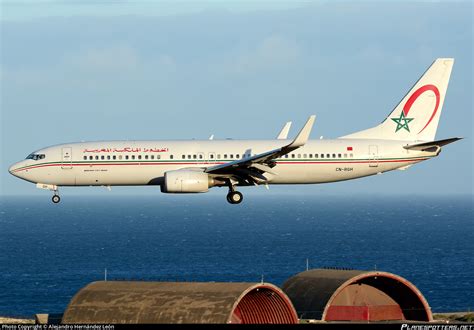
[{"x": 36, "y": 156}]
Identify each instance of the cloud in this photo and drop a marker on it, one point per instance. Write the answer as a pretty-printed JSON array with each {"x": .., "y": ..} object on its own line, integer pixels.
[
  {"x": 113, "y": 58},
  {"x": 350, "y": 60},
  {"x": 273, "y": 52}
]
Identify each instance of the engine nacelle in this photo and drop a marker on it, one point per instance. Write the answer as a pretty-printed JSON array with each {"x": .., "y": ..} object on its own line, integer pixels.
[{"x": 186, "y": 181}]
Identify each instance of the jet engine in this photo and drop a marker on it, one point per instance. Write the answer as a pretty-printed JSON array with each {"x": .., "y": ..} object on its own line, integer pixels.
[{"x": 186, "y": 181}]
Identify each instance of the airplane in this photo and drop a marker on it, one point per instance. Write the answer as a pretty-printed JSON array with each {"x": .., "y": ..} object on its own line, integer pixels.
[{"x": 404, "y": 138}]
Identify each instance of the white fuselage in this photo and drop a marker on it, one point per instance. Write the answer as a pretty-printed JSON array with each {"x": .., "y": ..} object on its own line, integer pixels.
[{"x": 119, "y": 163}]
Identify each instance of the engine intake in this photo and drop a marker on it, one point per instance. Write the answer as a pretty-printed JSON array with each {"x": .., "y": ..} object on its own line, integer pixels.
[{"x": 186, "y": 181}]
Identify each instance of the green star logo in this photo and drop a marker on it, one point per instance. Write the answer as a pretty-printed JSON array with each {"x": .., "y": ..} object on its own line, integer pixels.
[{"x": 402, "y": 122}]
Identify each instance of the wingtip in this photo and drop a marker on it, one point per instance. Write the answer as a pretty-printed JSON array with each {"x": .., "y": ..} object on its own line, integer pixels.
[{"x": 303, "y": 135}]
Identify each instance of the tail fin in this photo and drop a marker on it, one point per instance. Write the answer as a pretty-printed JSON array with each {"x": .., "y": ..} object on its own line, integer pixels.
[{"x": 416, "y": 117}]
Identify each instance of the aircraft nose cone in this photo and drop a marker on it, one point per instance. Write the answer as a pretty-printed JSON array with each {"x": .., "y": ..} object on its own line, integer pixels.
[{"x": 12, "y": 169}]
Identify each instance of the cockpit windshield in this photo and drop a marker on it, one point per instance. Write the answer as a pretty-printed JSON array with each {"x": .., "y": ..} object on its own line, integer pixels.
[{"x": 36, "y": 156}]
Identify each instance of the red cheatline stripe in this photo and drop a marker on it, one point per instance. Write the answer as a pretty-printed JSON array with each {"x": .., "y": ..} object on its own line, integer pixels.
[{"x": 280, "y": 162}]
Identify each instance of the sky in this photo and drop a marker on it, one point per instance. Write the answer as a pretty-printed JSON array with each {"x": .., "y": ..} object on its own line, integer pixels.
[{"x": 106, "y": 70}]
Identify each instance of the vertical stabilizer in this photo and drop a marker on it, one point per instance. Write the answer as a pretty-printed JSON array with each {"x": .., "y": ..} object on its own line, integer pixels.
[{"x": 416, "y": 117}]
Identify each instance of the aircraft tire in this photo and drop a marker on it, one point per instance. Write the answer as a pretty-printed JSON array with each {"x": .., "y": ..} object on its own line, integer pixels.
[
  {"x": 235, "y": 197},
  {"x": 56, "y": 199}
]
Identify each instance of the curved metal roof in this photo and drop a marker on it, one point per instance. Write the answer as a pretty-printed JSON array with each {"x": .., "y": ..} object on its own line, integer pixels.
[
  {"x": 179, "y": 302},
  {"x": 314, "y": 291}
]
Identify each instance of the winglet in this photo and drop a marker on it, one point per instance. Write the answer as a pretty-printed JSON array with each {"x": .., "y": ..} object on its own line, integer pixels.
[
  {"x": 303, "y": 135},
  {"x": 284, "y": 131}
]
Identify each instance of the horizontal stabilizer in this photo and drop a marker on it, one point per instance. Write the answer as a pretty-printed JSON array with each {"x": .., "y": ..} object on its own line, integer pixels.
[{"x": 427, "y": 145}]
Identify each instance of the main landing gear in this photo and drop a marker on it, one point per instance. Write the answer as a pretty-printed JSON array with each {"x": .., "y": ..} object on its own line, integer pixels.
[{"x": 234, "y": 197}]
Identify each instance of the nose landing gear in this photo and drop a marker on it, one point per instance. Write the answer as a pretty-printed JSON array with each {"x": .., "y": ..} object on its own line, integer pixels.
[
  {"x": 56, "y": 199},
  {"x": 51, "y": 187}
]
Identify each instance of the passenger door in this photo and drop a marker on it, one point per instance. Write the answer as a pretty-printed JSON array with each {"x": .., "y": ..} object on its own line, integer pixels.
[
  {"x": 66, "y": 158},
  {"x": 373, "y": 156}
]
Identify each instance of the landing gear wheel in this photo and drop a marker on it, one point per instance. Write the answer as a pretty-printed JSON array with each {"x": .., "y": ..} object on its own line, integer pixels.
[
  {"x": 56, "y": 199},
  {"x": 234, "y": 197}
]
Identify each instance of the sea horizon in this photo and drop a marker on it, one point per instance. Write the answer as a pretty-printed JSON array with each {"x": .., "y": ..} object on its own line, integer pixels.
[{"x": 49, "y": 252}]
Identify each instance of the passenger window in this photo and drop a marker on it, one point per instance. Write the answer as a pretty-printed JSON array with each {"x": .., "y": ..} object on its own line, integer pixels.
[
  {"x": 146, "y": 156},
  {"x": 322, "y": 155},
  {"x": 158, "y": 156},
  {"x": 139, "y": 156},
  {"x": 96, "y": 157},
  {"x": 237, "y": 156},
  {"x": 310, "y": 155},
  {"x": 305, "y": 156},
  {"x": 126, "y": 157},
  {"x": 200, "y": 156},
  {"x": 231, "y": 156},
  {"x": 345, "y": 155},
  {"x": 189, "y": 156},
  {"x": 225, "y": 156},
  {"x": 339, "y": 155},
  {"x": 85, "y": 157},
  {"x": 114, "y": 157},
  {"x": 42, "y": 156},
  {"x": 218, "y": 156},
  {"x": 133, "y": 156},
  {"x": 152, "y": 156},
  {"x": 286, "y": 156},
  {"x": 315, "y": 155},
  {"x": 183, "y": 156},
  {"x": 194, "y": 156},
  {"x": 171, "y": 156},
  {"x": 328, "y": 155},
  {"x": 299, "y": 155},
  {"x": 351, "y": 155},
  {"x": 292, "y": 155},
  {"x": 120, "y": 157},
  {"x": 211, "y": 156},
  {"x": 90, "y": 157}
]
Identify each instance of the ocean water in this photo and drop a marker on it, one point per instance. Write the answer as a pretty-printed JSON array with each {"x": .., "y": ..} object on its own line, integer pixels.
[{"x": 48, "y": 252}]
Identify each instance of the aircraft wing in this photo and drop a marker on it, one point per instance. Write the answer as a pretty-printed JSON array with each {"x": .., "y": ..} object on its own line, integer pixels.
[{"x": 251, "y": 169}]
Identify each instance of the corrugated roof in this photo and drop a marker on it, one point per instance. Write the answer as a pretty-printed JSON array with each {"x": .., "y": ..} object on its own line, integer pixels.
[{"x": 161, "y": 302}]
